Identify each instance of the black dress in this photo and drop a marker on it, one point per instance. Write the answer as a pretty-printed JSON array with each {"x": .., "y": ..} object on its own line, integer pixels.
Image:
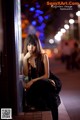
[{"x": 42, "y": 94}]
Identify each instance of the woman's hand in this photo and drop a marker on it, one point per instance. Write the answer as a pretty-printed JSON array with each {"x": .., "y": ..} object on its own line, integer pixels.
[
  {"x": 27, "y": 85},
  {"x": 52, "y": 82},
  {"x": 28, "y": 55}
]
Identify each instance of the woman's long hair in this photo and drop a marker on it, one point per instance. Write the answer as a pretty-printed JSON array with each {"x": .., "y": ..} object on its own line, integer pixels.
[{"x": 33, "y": 39}]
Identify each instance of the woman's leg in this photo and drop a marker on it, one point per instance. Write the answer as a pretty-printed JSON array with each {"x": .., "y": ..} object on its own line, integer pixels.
[
  {"x": 52, "y": 105},
  {"x": 43, "y": 89},
  {"x": 47, "y": 92}
]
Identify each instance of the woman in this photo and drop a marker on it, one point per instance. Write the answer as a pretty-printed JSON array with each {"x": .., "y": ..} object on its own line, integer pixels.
[{"x": 38, "y": 86}]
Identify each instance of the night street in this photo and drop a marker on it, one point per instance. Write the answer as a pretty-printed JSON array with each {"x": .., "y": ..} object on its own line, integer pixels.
[{"x": 70, "y": 93}]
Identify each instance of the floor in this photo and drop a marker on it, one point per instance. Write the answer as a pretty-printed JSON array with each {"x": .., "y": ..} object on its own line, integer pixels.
[
  {"x": 70, "y": 95},
  {"x": 45, "y": 115}
]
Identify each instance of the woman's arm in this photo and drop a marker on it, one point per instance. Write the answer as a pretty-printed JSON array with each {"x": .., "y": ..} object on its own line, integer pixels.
[
  {"x": 46, "y": 69},
  {"x": 25, "y": 66},
  {"x": 25, "y": 63}
]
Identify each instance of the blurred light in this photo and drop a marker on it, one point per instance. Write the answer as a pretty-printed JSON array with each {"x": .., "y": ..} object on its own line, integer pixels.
[
  {"x": 66, "y": 26},
  {"x": 55, "y": 50},
  {"x": 26, "y": 21},
  {"x": 59, "y": 33},
  {"x": 46, "y": 17},
  {"x": 71, "y": 21},
  {"x": 66, "y": 21},
  {"x": 37, "y": 33},
  {"x": 57, "y": 38},
  {"x": 34, "y": 23},
  {"x": 63, "y": 30},
  {"x": 36, "y": 15},
  {"x": 32, "y": 9},
  {"x": 48, "y": 52},
  {"x": 51, "y": 41},
  {"x": 78, "y": 13},
  {"x": 71, "y": 15},
  {"x": 39, "y": 11},
  {"x": 41, "y": 27},
  {"x": 42, "y": 36},
  {"x": 79, "y": 6},
  {"x": 37, "y": 6},
  {"x": 40, "y": 19},
  {"x": 23, "y": 25},
  {"x": 31, "y": 30},
  {"x": 24, "y": 35}
]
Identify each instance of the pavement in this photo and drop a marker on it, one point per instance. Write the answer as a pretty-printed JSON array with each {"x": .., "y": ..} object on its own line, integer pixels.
[
  {"x": 70, "y": 93},
  {"x": 69, "y": 108}
]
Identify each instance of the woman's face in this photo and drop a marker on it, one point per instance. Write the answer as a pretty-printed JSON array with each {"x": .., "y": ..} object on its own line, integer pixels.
[{"x": 31, "y": 48}]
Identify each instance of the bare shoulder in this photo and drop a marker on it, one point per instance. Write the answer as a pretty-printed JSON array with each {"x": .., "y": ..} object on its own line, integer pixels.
[{"x": 45, "y": 56}]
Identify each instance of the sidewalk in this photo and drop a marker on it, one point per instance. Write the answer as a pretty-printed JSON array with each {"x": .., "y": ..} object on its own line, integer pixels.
[
  {"x": 57, "y": 66},
  {"x": 70, "y": 93}
]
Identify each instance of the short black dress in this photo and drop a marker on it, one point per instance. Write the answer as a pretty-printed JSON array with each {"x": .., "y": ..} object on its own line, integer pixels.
[{"x": 40, "y": 92}]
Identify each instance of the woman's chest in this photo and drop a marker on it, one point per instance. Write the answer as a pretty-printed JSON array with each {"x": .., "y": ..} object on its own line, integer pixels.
[{"x": 32, "y": 62}]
